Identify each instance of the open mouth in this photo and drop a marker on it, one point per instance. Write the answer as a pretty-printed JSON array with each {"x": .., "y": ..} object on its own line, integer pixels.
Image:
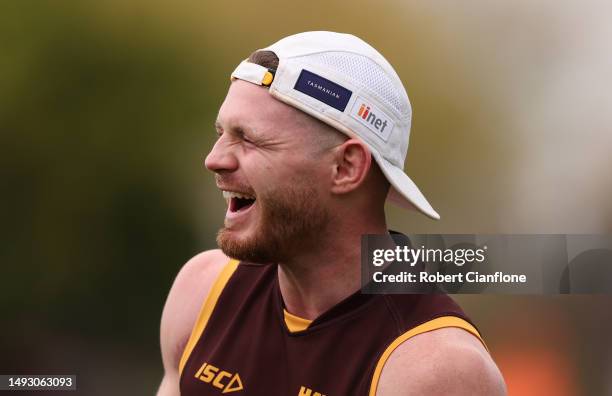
[{"x": 238, "y": 202}]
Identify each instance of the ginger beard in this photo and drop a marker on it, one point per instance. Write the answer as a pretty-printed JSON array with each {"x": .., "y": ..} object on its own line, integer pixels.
[{"x": 290, "y": 220}]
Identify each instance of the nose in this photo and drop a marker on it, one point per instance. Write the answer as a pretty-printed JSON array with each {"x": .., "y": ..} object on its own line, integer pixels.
[{"x": 221, "y": 158}]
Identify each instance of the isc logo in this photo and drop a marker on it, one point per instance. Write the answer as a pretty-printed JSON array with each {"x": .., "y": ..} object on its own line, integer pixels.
[
  {"x": 308, "y": 392},
  {"x": 373, "y": 118},
  {"x": 220, "y": 379}
]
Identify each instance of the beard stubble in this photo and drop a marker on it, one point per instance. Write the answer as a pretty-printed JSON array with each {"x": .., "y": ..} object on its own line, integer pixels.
[{"x": 290, "y": 221}]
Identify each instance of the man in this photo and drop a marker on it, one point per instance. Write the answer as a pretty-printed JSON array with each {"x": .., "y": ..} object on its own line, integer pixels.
[{"x": 312, "y": 139}]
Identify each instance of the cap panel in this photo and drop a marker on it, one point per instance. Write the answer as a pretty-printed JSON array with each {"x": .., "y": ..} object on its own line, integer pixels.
[
  {"x": 311, "y": 43},
  {"x": 366, "y": 73},
  {"x": 318, "y": 41},
  {"x": 370, "y": 77},
  {"x": 384, "y": 139}
]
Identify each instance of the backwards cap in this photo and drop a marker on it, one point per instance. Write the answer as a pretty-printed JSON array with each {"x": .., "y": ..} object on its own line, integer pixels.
[{"x": 343, "y": 81}]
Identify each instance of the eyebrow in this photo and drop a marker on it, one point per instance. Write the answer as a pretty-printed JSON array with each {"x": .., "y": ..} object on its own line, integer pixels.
[{"x": 237, "y": 129}]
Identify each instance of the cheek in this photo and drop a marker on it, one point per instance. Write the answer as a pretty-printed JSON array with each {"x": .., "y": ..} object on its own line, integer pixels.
[
  {"x": 288, "y": 171},
  {"x": 309, "y": 178},
  {"x": 263, "y": 173},
  {"x": 255, "y": 166}
]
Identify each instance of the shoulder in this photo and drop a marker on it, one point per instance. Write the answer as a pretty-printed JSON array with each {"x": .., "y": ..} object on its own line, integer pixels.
[
  {"x": 189, "y": 290},
  {"x": 447, "y": 361},
  {"x": 199, "y": 273}
]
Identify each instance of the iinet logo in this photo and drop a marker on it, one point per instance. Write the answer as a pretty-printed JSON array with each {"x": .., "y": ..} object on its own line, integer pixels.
[{"x": 373, "y": 118}]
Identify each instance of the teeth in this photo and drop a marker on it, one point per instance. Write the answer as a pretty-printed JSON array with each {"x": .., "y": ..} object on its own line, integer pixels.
[{"x": 232, "y": 194}]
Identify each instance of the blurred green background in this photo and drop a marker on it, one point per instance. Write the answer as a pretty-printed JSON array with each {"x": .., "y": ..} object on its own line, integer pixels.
[{"x": 106, "y": 113}]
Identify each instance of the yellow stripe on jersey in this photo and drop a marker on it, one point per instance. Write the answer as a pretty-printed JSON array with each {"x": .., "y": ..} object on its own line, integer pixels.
[
  {"x": 434, "y": 324},
  {"x": 295, "y": 323},
  {"x": 206, "y": 310}
]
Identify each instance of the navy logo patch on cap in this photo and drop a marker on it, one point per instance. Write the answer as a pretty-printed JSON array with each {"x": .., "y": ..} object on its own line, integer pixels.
[{"x": 323, "y": 90}]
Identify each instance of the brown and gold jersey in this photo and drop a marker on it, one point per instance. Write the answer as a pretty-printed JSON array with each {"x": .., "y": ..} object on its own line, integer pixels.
[{"x": 245, "y": 343}]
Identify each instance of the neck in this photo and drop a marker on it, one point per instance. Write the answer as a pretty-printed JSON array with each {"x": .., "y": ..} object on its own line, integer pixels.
[{"x": 316, "y": 280}]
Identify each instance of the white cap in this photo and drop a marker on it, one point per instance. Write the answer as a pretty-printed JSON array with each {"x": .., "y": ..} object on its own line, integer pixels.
[{"x": 344, "y": 82}]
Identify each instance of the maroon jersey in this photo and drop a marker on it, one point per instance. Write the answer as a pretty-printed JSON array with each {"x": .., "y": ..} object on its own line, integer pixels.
[{"x": 245, "y": 343}]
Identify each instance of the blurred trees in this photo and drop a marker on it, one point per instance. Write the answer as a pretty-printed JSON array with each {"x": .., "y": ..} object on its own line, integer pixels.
[{"x": 92, "y": 124}]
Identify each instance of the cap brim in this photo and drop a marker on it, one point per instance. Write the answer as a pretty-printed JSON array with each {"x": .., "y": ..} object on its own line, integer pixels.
[{"x": 404, "y": 192}]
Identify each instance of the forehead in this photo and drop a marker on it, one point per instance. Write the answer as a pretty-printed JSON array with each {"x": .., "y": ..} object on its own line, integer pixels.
[{"x": 250, "y": 105}]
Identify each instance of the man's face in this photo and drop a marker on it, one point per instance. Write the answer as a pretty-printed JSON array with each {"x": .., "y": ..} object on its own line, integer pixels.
[{"x": 273, "y": 179}]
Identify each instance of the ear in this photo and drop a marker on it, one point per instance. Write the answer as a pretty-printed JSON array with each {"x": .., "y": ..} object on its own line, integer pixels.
[{"x": 352, "y": 161}]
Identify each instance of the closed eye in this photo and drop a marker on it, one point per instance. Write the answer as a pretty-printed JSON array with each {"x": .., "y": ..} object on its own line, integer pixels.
[
  {"x": 236, "y": 132},
  {"x": 240, "y": 133}
]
